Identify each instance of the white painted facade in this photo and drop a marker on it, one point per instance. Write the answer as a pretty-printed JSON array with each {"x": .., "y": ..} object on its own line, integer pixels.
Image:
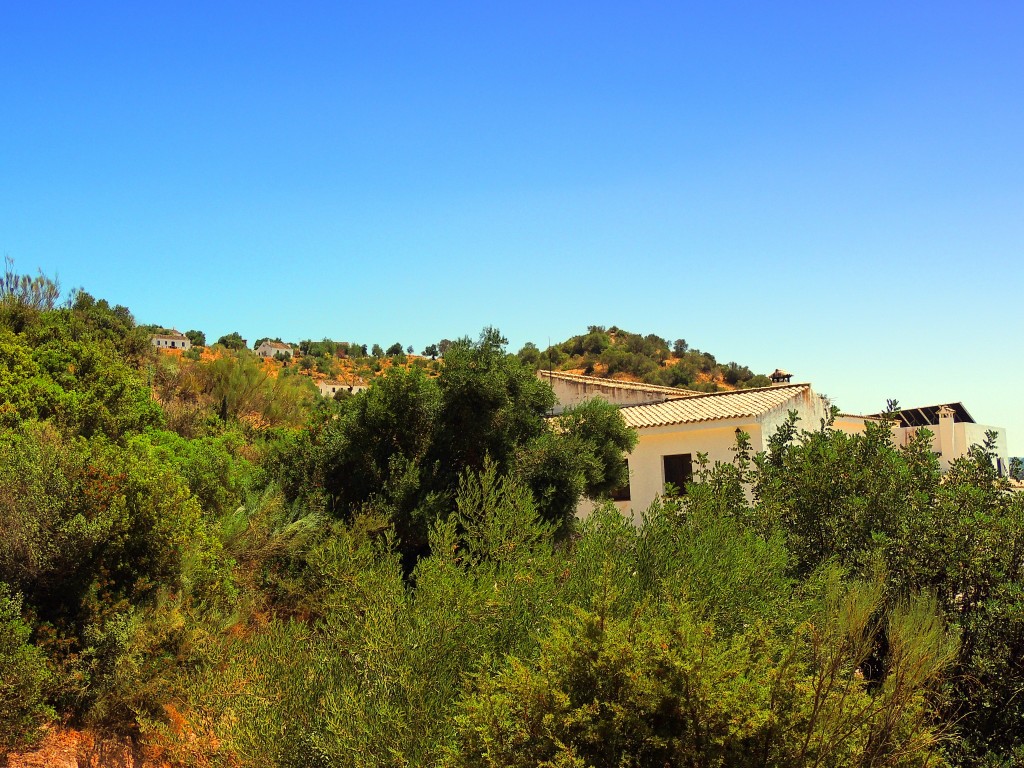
[
  {"x": 572, "y": 389},
  {"x": 271, "y": 349},
  {"x": 953, "y": 439},
  {"x": 715, "y": 437},
  {"x": 681, "y": 424},
  {"x": 852, "y": 424},
  {"x": 170, "y": 341},
  {"x": 331, "y": 388}
]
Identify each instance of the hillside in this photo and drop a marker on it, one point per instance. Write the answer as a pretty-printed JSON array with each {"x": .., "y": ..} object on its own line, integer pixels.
[
  {"x": 204, "y": 563},
  {"x": 616, "y": 353},
  {"x": 605, "y": 352}
]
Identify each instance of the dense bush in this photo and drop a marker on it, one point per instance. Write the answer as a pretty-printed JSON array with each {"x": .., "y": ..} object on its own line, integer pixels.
[
  {"x": 93, "y": 536},
  {"x": 244, "y": 389},
  {"x": 658, "y": 686},
  {"x": 684, "y": 641},
  {"x": 401, "y": 447},
  {"x": 24, "y": 677},
  {"x": 615, "y": 352}
]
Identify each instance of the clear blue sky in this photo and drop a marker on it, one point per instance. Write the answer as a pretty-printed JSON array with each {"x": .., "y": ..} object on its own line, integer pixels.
[{"x": 837, "y": 191}]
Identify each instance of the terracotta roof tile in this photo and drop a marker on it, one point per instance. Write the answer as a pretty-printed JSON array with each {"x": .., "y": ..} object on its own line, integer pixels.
[{"x": 710, "y": 407}]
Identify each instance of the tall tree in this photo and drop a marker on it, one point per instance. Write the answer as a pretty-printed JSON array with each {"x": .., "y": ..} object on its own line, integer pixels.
[
  {"x": 403, "y": 446},
  {"x": 232, "y": 340}
]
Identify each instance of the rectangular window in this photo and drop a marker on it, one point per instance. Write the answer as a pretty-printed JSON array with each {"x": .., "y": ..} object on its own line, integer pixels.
[
  {"x": 622, "y": 494},
  {"x": 678, "y": 470}
]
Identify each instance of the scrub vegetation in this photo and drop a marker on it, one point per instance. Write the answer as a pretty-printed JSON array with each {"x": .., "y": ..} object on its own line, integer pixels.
[{"x": 201, "y": 554}]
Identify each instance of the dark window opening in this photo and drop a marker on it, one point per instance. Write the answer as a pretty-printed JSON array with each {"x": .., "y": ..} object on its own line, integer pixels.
[
  {"x": 678, "y": 470},
  {"x": 622, "y": 494}
]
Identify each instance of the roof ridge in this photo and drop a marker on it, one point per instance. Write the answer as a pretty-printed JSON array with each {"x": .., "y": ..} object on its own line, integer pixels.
[
  {"x": 714, "y": 406},
  {"x": 702, "y": 395}
]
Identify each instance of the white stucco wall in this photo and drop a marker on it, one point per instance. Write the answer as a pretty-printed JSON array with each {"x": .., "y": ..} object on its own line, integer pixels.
[
  {"x": 182, "y": 343},
  {"x": 810, "y": 408},
  {"x": 572, "y": 393},
  {"x": 646, "y": 462},
  {"x": 851, "y": 425},
  {"x": 329, "y": 389},
  {"x": 971, "y": 434},
  {"x": 964, "y": 435},
  {"x": 265, "y": 350}
]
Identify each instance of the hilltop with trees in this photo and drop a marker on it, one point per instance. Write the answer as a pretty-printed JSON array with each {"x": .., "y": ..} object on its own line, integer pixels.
[{"x": 615, "y": 353}]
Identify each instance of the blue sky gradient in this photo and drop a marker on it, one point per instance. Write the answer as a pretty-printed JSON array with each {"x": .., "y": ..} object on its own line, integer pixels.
[{"x": 837, "y": 191}]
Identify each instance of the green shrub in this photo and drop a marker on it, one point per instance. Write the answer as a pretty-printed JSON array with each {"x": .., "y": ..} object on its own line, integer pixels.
[
  {"x": 656, "y": 686},
  {"x": 23, "y": 677}
]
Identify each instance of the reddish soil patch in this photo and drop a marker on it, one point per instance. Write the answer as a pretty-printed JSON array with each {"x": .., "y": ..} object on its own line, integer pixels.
[{"x": 67, "y": 748}]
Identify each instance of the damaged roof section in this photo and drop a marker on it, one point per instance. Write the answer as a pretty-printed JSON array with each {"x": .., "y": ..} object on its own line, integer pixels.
[{"x": 928, "y": 415}]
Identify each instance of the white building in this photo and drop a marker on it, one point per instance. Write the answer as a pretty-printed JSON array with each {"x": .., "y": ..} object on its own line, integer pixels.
[
  {"x": 329, "y": 388},
  {"x": 674, "y": 425},
  {"x": 271, "y": 349},
  {"x": 672, "y": 433},
  {"x": 953, "y": 430},
  {"x": 172, "y": 340}
]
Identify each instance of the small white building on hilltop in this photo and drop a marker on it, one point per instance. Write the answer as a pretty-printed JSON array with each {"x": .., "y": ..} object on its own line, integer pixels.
[
  {"x": 953, "y": 430},
  {"x": 271, "y": 349},
  {"x": 172, "y": 340},
  {"x": 329, "y": 388}
]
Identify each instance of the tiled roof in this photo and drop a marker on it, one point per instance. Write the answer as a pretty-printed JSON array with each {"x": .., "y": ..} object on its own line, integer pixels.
[
  {"x": 710, "y": 407},
  {"x": 169, "y": 336},
  {"x": 276, "y": 345},
  {"x": 637, "y": 386}
]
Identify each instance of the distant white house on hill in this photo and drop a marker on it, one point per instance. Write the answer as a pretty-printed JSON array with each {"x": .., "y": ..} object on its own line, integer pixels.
[
  {"x": 953, "y": 430},
  {"x": 271, "y": 349},
  {"x": 172, "y": 340},
  {"x": 329, "y": 387}
]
